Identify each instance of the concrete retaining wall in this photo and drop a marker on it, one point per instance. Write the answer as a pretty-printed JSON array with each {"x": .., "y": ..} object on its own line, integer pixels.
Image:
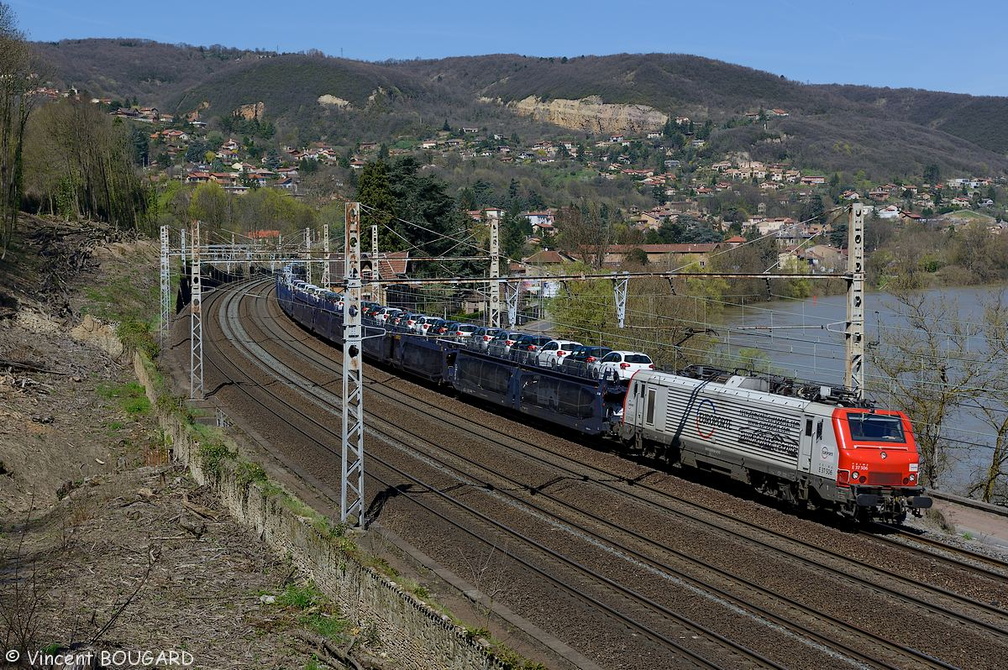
[{"x": 411, "y": 633}]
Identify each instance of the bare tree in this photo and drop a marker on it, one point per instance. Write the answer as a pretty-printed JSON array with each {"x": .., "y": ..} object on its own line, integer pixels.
[
  {"x": 18, "y": 83},
  {"x": 96, "y": 178},
  {"x": 585, "y": 232},
  {"x": 992, "y": 409},
  {"x": 933, "y": 370}
]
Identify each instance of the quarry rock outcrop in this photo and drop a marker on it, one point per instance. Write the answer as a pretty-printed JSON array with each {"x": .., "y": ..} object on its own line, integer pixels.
[
  {"x": 592, "y": 115},
  {"x": 327, "y": 100},
  {"x": 251, "y": 112}
]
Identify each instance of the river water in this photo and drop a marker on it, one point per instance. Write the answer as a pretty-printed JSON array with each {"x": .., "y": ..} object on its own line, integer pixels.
[{"x": 804, "y": 339}]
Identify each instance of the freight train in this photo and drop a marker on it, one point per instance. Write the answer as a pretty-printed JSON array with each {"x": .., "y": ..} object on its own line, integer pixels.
[{"x": 806, "y": 444}]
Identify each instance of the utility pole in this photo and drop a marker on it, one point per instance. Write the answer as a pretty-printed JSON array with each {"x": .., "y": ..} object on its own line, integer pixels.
[
  {"x": 195, "y": 320},
  {"x": 376, "y": 291},
  {"x": 494, "y": 316},
  {"x": 307, "y": 255},
  {"x": 619, "y": 295},
  {"x": 512, "y": 290},
  {"x": 326, "y": 278},
  {"x": 165, "y": 283},
  {"x": 854, "y": 343},
  {"x": 352, "y": 456}
]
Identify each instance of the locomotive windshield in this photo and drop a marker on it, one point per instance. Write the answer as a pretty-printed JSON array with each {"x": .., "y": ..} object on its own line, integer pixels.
[{"x": 875, "y": 427}]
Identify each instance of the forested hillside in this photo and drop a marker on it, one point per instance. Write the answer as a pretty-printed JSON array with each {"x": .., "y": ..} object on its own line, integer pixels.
[{"x": 884, "y": 133}]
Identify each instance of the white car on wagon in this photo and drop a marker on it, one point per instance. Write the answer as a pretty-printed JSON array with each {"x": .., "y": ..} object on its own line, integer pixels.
[
  {"x": 621, "y": 365},
  {"x": 551, "y": 354}
]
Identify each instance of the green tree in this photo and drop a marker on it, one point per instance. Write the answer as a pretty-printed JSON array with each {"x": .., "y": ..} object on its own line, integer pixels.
[
  {"x": 274, "y": 209},
  {"x": 272, "y": 158},
  {"x": 839, "y": 234},
  {"x": 466, "y": 199},
  {"x": 932, "y": 174},
  {"x": 211, "y": 204},
  {"x": 812, "y": 210},
  {"x": 374, "y": 192},
  {"x": 583, "y": 309},
  {"x": 413, "y": 212},
  {"x": 308, "y": 166},
  {"x": 197, "y": 150},
  {"x": 636, "y": 256},
  {"x": 513, "y": 233},
  {"x": 793, "y": 288},
  {"x": 140, "y": 141}
]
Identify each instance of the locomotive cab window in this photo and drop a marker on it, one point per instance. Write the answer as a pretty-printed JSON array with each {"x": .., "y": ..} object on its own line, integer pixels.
[
  {"x": 875, "y": 427},
  {"x": 808, "y": 426}
]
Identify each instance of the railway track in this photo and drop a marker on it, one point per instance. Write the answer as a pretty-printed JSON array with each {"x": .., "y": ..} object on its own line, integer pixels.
[
  {"x": 960, "y": 557},
  {"x": 874, "y": 649},
  {"x": 730, "y": 653}
]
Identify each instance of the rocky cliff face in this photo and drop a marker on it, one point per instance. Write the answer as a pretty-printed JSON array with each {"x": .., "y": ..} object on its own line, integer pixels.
[
  {"x": 592, "y": 115},
  {"x": 251, "y": 112}
]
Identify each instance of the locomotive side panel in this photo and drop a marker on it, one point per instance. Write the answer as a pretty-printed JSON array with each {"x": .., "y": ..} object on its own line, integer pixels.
[
  {"x": 823, "y": 442},
  {"x": 713, "y": 421}
]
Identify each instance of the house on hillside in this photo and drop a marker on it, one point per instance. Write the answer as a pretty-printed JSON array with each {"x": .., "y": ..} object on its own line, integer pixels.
[
  {"x": 544, "y": 217},
  {"x": 765, "y": 226},
  {"x": 823, "y": 258},
  {"x": 647, "y": 221},
  {"x": 486, "y": 214},
  {"x": 890, "y": 212},
  {"x": 663, "y": 255},
  {"x": 263, "y": 236},
  {"x": 547, "y": 261},
  {"x": 543, "y": 230},
  {"x": 390, "y": 264}
]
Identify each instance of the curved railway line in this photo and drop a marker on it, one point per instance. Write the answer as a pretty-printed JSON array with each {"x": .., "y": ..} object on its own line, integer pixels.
[{"x": 660, "y": 580}]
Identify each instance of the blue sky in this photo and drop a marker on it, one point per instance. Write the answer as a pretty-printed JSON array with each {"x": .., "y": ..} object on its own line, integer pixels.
[{"x": 957, "y": 47}]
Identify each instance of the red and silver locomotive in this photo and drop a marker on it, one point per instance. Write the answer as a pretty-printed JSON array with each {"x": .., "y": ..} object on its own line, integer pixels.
[{"x": 806, "y": 444}]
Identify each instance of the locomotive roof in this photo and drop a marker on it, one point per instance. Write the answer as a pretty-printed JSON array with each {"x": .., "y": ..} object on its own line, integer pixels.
[{"x": 829, "y": 394}]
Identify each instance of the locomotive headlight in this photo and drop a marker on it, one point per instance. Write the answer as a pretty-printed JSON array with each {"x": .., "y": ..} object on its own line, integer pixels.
[{"x": 912, "y": 478}]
